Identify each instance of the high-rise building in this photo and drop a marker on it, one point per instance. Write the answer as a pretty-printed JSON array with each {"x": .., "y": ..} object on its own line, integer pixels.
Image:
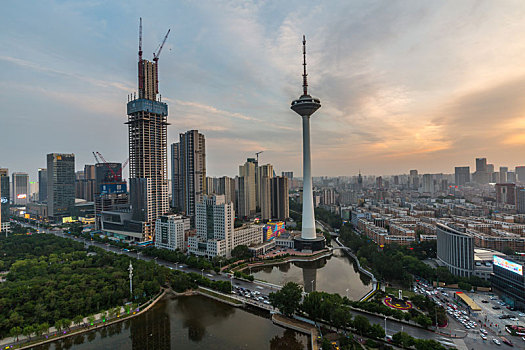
[
  {"x": 287, "y": 174},
  {"x": 482, "y": 174},
  {"x": 4, "y": 199},
  {"x": 428, "y": 183},
  {"x": 511, "y": 177},
  {"x": 147, "y": 128},
  {"x": 455, "y": 249},
  {"x": 20, "y": 182},
  {"x": 85, "y": 186},
  {"x": 503, "y": 170},
  {"x": 279, "y": 196},
  {"x": 189, "y": 174},
  {"x": 214, "y": 223},
  {"x": 264, "y": 175},
  {"x": 462, "y": 175},
  {"x": 42, "y": 185},
  {"x": 110, "y": 192},
  {"x": 520, "y": 199},
  {"x": 226, "y": 186},
  {"x": 60, "y": 184},
  {"x": 520, "y": 174},
  {"x": 506, "y": 193},
  {"x": 170, "y": 230},
  {"x": 306, "y": 106},
  {"x": 246, "y": 201},
  {"x": 414, "y": 179}
]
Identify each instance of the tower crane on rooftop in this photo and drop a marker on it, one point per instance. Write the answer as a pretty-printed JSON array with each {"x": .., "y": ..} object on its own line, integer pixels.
[
  {"x": 257, "y": 155},
  {"x": 156, "y": 55}
]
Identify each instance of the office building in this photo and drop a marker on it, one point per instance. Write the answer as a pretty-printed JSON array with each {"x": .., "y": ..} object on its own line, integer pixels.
[
  {"x": 147, "y": 129},
  {"x": 20, "y": 191},
  {"x": 226, "y": 186},
  {"x": 189, "y": 175},
  {"x": 455, "y": 249},
  {"x": 42, "y": 185},
  {"x": 481, "y": 175},
  {"x": 214, "y": 220},
  {"x": 60, "y": 184},
  {"x": 110, "y": 192},
  {"x": 170, "y": 232},
  {"x": 506, "y": 193},
  {"x": 511, "y": 177},
  {"x": 461, "y": 175},
  {"x": 246, "y": 201},
  {"x": 503, "y": 170},
  {"x": 519, "y": 174},
  {"x": 428, "y": 183},
  {"x": 520, "y": 199},
  {"x": 508, "y": 281},
  {"x": 264, "y": 175},
  {"x": 279, "y": 196}
]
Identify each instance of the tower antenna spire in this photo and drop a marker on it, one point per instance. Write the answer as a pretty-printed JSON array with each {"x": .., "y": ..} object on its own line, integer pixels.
[{"x": 305, "y": 83}]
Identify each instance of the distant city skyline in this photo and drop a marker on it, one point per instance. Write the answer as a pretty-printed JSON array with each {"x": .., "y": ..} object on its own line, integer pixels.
[{"x": 405, "y": 85}]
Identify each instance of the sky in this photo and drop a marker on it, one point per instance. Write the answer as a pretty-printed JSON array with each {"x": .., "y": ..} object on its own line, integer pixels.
[{"x": 412, "y": 84}]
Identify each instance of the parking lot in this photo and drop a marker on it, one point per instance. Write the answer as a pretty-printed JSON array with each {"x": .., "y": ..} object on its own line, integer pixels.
[{"x": 482, "y": 329}]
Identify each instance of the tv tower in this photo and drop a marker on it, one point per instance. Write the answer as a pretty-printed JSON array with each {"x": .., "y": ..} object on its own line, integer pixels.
[{"x": 305, "y": 106}]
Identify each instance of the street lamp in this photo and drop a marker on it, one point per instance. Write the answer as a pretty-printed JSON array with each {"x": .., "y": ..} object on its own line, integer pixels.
[
  {"x": 202, "y": 273},
  {"x": 347, "y": 294},
  {"x": 385, "y": 326},
  {"x": 312, "y": 285}
]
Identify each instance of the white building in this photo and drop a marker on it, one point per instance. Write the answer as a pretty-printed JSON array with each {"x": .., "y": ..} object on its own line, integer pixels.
[
  {"x": 214, "y": 222},
  {"x": 248, "y": 235},
  {"x": 169, "y": 231}
]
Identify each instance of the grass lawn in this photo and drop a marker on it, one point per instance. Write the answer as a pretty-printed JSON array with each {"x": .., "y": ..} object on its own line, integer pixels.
[{"x": 395, "y": 292}]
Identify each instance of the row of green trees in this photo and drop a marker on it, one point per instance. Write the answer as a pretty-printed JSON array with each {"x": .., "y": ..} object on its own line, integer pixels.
[{"x": 396, "y": 263}]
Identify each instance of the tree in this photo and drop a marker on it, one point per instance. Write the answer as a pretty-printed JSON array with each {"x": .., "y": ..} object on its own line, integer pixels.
[
  {"x": 15, "y": 332},
  {"x": 91, "y": 319},
  {"x": 78, "y": 320},
  {"x": 27, "y": 331},
  {"x": 403, "y": 339},
  {"x": 312, "y": 305},
  {"x": 241, "y": 252},
  {"x": 288, "y": 299},
  {"x": 376, "y": 331},
  {"x": 423, "y": 320},
  {"x": 361, "y": 324}
]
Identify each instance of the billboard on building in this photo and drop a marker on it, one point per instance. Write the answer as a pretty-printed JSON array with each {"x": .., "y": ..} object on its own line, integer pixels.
[
  {"x": 21, "y": 196},
  {"x": 272, "y": 230},
  {"x": 113, "y": 188},
  {"x": 508, "y": 265}
]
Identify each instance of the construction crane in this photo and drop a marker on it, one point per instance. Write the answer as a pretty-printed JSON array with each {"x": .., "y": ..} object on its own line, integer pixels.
[
  {"x": 107, "y": 165},
  {"x": 257, "y": 155},
  {"x": 156, "y": 55}
]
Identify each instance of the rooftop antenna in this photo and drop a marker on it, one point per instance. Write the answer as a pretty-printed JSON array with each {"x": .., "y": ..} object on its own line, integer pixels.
[{"x": 305, "y": 83}]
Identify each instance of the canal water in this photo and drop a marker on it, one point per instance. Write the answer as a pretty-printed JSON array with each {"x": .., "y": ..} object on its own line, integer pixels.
[
  {"x": 189, "y": 322},
  {"x": 334, "y": 274}
]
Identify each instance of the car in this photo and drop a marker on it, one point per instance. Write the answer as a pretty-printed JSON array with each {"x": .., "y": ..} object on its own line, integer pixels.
[
  {"x": 521, "y": 314},
  {"x": 484, "y": 301},
  {"x": 483, "y": 336},
  {"x": 209, "y": 275},
  {"x": 496, "y": 341},
  {"x": 496, "y": 307},
  {"x": 514, "y": 319},
  {"x": 484, "y": 331},
  {"x": 523, "y": 338}
]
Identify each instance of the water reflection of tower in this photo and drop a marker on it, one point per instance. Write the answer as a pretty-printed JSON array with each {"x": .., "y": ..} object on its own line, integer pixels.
[{"x": 310, "y": 279}]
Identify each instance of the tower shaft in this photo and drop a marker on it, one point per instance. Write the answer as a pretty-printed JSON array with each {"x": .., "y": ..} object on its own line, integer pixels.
[{"x": 308, "y": 224}]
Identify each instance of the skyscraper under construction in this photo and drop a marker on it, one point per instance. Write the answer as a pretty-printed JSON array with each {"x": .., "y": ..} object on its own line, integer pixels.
[{"x": 147, "y": 125}]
